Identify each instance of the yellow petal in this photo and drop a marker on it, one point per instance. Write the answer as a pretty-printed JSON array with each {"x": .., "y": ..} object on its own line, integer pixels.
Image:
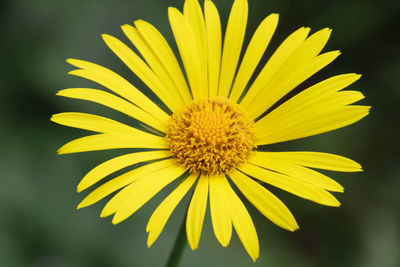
[
  {"x": 220, "y": 215},
  {"x": 279, "y": 57},
  {"x": 291, "y": 185},
  {"x": 112, "y": 141},
  {"x": 92, "y": 123},
  {"x": 324, "y": 94},
  {"x": 311, "y": 47},
  {"x": 114, "y": 102},
  {"x": 299, "y": 66},
  {"x": 162, "y": 213},
  {"x": 196, "y": 212},
  {"x": 155, "y": 64},
  {"x": 171, "y": 98},
  {"x": 243, "y": 224},
  {"x": 290, "y": 114},
  {"x": 312, "y": 124},
  {"x": 117, "y": 84},
  {"x": 233, "y": 42},
  {"x": 213, "y": 30},
  {"x": 268, "y": 204},
  {"x": 110, "y": 166},
  {"x": 318, "y": 160},
  {"x": 164, "y": 54},
  {"x": 295, "y": 171},
  {"x": 144, "y": 189},
  {"x": 122, "y": 181},
  {"x": 287, "y": 80},
  {"x": 254, "y": 52},
  {"x": 194, "y": 16},
  {"x": 190, "y": 53}
]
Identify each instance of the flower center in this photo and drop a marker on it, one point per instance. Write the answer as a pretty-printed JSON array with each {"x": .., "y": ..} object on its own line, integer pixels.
[{"x": 210, "y": 136}]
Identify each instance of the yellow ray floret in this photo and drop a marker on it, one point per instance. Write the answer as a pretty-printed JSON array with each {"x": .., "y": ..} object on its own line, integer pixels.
[
  {"x": 243, "y": 223},
  {"x": 125, "y": 179},
  {"x": 116, "y": 164},
  {"x": 295, "y": 186},
  {"x": 195, "y": 19},
  {"x": 113, "y": 102},
  {"x": 284, "y": 51},
  {"x": 254, "y": 52},
  {"x": 196, "y": 212},
  {"x": 213, "y": 31},
  {"x": 220, "y": 215},
  {"x": 298, "y": 172},
  {"x": 264, "y": 201},
  {"x": 302, "y": 63},
  {"x": 144, "y": 189},
  {"x": 233, "y": 42},
  {"x": 317, "y": 160},
  {"x": 122, "y": 181},
  {"x": 190, "y": 53},
  {"x": 93, "y": 123},
  {"x": 162, "y": 213},
  {"x": 117, "y": 84},
  {"x": 171, "y": 98},
  {"x": 284, "y": 83},
  {"x": 158, "y": 55},
  {"x": 112, "y": 141}
]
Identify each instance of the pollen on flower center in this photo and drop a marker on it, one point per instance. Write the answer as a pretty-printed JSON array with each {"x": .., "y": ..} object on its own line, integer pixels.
[{"x": 210, "y": 136}]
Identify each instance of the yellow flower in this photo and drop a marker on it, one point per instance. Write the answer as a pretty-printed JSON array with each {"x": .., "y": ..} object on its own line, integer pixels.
[{"x": 215, "y": 117}]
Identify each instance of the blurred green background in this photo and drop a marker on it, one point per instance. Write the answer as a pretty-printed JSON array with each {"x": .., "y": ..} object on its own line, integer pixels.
[{"x": 39, "y": 225}]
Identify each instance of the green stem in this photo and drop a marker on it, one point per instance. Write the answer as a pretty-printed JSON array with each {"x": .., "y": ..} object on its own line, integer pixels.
[
  {"x": 180, "y": 242},
  {"x": 179, "y": 246}
]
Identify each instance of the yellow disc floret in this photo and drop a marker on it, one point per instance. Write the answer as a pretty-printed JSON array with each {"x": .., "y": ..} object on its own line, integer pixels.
[{"x": 210, "y": 136}]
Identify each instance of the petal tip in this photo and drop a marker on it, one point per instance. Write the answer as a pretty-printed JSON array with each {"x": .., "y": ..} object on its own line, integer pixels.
[
  {"x": 81, "y": 205},
  {"x": 126, "y": 27},
  {"x": 105, "y": 212},
  {"x": 334, "y": 203},
  {"x": 115, "y": 220},
  {"x": 52, "y": 118},
  {"x": 73, "y": 61},
  {"x": 254, "y": 257},
  {"x": 105, "y": 36},
  {"x": 225, "y": 243},
  {"x": 72, "y": 72},
  {"x": 172, "y": 11},
  {"x": 149, "y": 242},
  {"x": 192, "y": 245},
  {"x": 293, "y": 227},
  {"x": 60, "y": 92},
  {"x": 80, "y": 188},
  {"x": 139, "y": 22},
  {"x": 274, "y": 15}
]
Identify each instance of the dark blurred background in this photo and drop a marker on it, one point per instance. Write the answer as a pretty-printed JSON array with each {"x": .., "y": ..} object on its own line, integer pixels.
[{"x": 39, "y": 225}]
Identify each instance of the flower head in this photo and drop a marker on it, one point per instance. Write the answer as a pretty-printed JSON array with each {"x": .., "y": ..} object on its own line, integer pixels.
[{"x": 213, "y": 122}]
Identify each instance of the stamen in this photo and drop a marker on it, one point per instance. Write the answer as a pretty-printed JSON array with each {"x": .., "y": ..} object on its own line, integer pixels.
[{"x": 210, "y": 136}]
